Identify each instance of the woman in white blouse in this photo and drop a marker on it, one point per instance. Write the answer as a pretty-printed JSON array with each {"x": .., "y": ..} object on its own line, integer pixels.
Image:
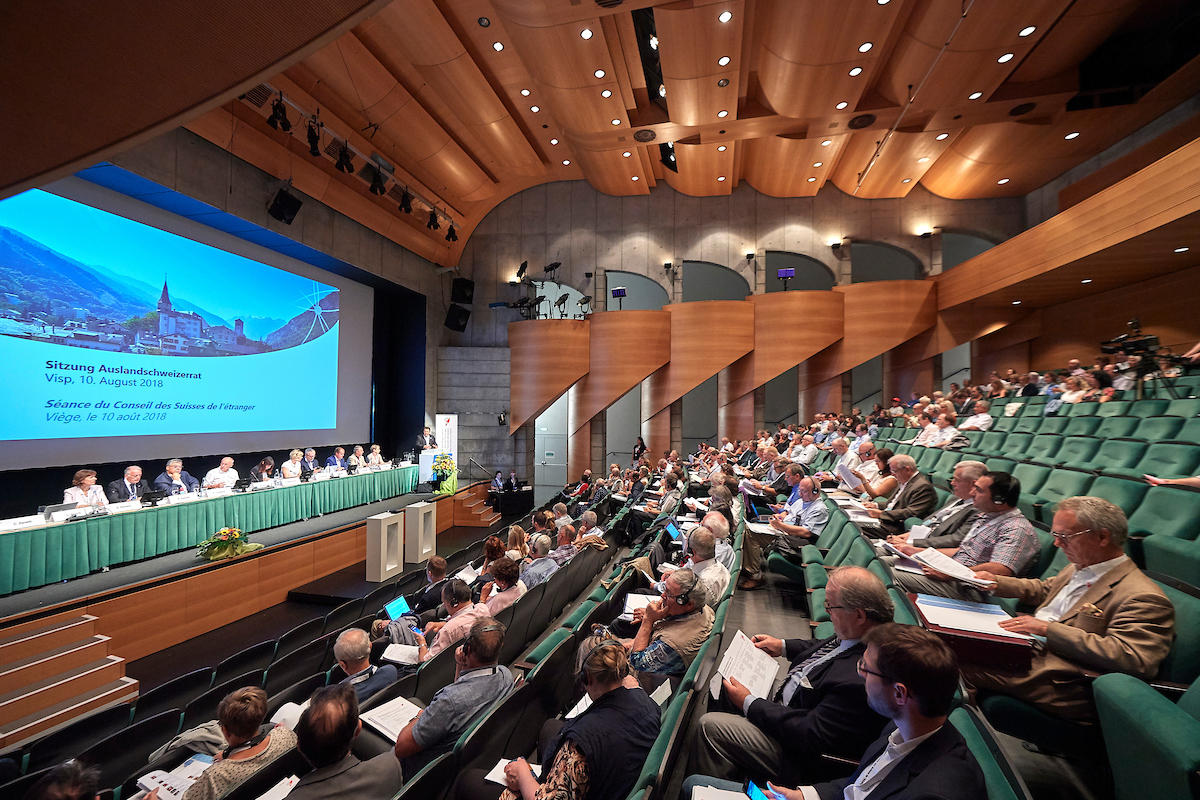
[
  {"x": 357, "y": 459},
  {"x": 375, "y": 457},
  {"x": 291, "y": 468},
  {"x": 84, "y": 491}
]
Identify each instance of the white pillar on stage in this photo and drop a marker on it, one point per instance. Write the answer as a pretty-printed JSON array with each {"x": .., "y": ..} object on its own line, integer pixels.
[
  {"x": 385, "y": 546},
  {"x": 420, "y": 532}
]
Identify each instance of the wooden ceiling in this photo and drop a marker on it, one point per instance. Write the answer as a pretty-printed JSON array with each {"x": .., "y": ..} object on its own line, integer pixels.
[{"x": 467, "y": 102}]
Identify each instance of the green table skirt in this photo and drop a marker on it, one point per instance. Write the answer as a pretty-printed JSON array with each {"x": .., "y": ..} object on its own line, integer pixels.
[{"x": 32, "y": 558}]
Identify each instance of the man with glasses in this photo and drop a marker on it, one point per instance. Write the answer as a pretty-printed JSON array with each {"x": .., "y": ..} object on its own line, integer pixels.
[
  {"x": 821, "y": 708},
  {"x": 947, "y": 526},
  {"x": 1100, "y": 614},
  {"x": 671, "y": 629}
]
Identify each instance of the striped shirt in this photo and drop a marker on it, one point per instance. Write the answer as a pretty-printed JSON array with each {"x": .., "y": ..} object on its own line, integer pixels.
[{"x": 1004, "y": 538}]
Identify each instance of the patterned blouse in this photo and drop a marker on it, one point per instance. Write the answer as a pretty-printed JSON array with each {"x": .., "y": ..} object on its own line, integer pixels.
[
  {"x": 567, "y": 779},
  {"x": 224, "y": 775}
]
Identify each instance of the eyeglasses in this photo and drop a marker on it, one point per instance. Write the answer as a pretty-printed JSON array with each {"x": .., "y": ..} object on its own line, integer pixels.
[
  {"x": 829, "y": 608},
  {"x": 864, "y": 670},
  {"x": 1062, "y": 536}
]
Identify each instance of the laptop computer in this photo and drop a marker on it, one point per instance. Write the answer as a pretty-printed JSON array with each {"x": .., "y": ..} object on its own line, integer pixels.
[
  {"x": 759, "y": 508},
  {"x": 397, "y": 608},
  {"x": 51, "y": 510}
]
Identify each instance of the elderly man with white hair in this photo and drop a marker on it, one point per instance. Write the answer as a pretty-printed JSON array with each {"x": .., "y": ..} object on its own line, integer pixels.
[
  {"x": 981, "y": 420},
  {"x": 914, "y": 497},
  {"x": 353, "y": 652},
  {"x": 845, "y": 458}
]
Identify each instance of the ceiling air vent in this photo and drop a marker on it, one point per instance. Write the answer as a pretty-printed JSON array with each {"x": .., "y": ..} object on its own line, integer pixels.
[
  {"x": 1023, "y": 108},
  {"x": 861, "y": 121},
  {"x": 259, "y": 95},
  {"x": 609, "y": 3},
  {"x": 644, "y": 135}
]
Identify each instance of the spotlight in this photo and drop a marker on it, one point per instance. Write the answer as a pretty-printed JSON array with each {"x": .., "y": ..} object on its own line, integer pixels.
[
  {"x": 406, "y": 202},
  {"x": 501, "y": 417},
  {"x": 552, "y": 266},
  {"x": 314, "y": 137},
  {"x": 585, "y": 300},
  {"x": 451, "y": 236},
  {"x": 667, "y": 267},
  {"x": 378, "y": 183},
  {"x": 345, "y": 163},
  {"x": 749, "y": 256},
  {"x": 433, "y": 223},
  {"x": 278, "y": 119},
  {"x": 521, "y": 269}
]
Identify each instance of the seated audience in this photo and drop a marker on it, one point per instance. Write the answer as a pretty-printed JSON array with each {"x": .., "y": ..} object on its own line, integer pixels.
[
  {"x": 505, "y": 586},
  {"x": 914, "y": 497},
  {"x": 1001, "y": 541},
  {"x": 221, "y": 476},
  {"x": 981, "y": 420},
  {"x": 326, "y": 731},
  {"x": 352, "y": 650},
  {"x": 949, "y": 524},
  {"x": 1100, "y": 614},
  {"x": 130, "y": 487},
  {"x": 821, "y": 707},
  {"x": 252, "y": 744},
  {"x": 462, "y": 614},
  {"x": 83, "y": 491},
  {"x": 478, "y": 682},
  {"x": 884, "y": 484},
  {"x": 804, "y": 517},
  {"x": 671, "y": 629},
  {"x": 174, "y": 480},
  {"x": 542, "y": 566}
]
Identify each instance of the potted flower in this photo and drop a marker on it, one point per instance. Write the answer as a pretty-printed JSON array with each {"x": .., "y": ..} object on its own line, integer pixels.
[
  {"x": 226, "y": 543},
  {"x": 447, "y": 473}
]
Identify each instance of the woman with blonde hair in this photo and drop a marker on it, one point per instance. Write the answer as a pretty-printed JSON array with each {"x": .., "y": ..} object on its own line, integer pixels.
[
  {"x": 518, "y": 543},
  {"x": 291, "y": 468},
  {"x": 375, "y": 457}
]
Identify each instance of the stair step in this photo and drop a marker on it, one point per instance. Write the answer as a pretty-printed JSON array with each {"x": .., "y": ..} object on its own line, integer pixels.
[
  {"x": 17, "y": 646},
  {"x": 122, "y": 690},
  {"x": 46, "y": 664},
  {"x": 46, "y": 692}
]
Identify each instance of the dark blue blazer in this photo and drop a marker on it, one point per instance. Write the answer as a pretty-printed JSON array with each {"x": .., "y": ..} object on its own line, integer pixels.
[
  {"x": 334, "y": 461},
  {"x": 164, "y": 483}
]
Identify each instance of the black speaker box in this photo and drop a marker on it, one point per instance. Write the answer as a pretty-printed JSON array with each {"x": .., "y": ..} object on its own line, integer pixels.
[
  {"x": 456, "y": 318},
  {"x": 463, "y": 291},
  {"x": 284, "y": 206}
]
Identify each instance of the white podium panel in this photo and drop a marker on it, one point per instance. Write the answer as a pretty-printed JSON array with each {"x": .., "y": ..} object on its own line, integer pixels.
[
  {"x": 420, "y": 532},
  {"x": 385, "y": 546}
]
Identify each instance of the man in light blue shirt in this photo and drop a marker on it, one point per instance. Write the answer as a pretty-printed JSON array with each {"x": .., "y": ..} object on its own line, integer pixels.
[{"x": 542, "y": 566}]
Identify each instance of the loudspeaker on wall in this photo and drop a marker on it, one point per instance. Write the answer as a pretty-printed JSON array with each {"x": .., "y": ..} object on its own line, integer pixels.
[
  {"x": 284, "y": 206},
  {"x": 456, "y": 317},
  {"x": 462, "y": 291}
]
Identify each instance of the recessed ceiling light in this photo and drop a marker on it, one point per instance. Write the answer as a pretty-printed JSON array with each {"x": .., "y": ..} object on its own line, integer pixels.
[
  {"x": 720, "y": 177},
  {"x": 1026, "y": 31},
  {"x": 662, "y": 90},
  {"x": 725, "y": 16},
  {"x": 812, "y": 180},
  {"x": 554, "y": 141},
  {"x": 974, "y": 95},
  {"x": 1004, "y": 59},
  {"x": 906, "y": 180},
  {"x": 1181, "y": 249},
  {"x": 535, "y": 109},
  {"x": 941, "y": 136},
  {"x": 1016, "y": 302},
  {"x": 524, "y": 93},
  {"x": 817, "y": 164},
  {"x": 1086, "y": 281},
  {"x": 497, "y": 46},
  {"x": 722, "y": 113},
  {"x": 653, "y": 42},
  {"x": 855, "y": 72},
  {"x": 826, "y": 142},
  {"x": 586, "y": 33},
  {"x": 721, "y": 148},
  {"x": 922, "y": 159},
  {"x": 883, "y": 2},
  {"x": 1071, "y": 135},
  {"x": 1002, "y": 181},
  {"x": 864, "y": 47},
  {"x": 841, "y": 105},
  {"x": 599, "y": 73},
  {"x": 723, "y": 61},
  {"x": 615, "y": 121},
  {"x": 635, "y": 177},
  {"x": 607, "y": 93},
  {"x": 627, "y": 154},
  {"x": 566, "y": 163},
  {"x": 484, "y": 22}
]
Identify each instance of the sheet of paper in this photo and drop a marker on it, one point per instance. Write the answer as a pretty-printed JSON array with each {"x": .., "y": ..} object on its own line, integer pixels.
[
  {"x": 918, "y": 532},
  {"x": 281, "y": 789},
  {"x": 496, "y": 775},
  {"x": 391, "y": 717},
  {"x": 467, "y": 574},
  {"x": 289, "y": 714},
  {"x": 662, "y": 694},
  {"x": 935, "y": 559},
  {"x": 402, "y": 654},
  {"x": 964, "y": 615},
  {"x": 583, "y": 705},
  {"x": 848, "y": 477},
  {"x": 635, "y": 601},
  {"x": 753, "y": 668},
  {"x": 711, "y": 793},
  {"x": 762, "y": 527}
]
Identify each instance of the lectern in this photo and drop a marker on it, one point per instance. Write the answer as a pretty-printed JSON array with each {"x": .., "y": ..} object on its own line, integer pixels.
[
  {"x": 385, "y": 546},
  {"x": 420, "y": 532}
]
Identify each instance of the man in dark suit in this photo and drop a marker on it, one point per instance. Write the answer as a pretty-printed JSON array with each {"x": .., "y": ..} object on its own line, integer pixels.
[
  {"x": 950, "y": 523},
  {"x": 309, "y": 463},
  {"x": 352, "y": 649},
  {"x": 911, "y": 677},
  {"x": 915, "y": 497},
  {"x": 338, "y": 459},
  {"x": 821, "y": 709},
  {"x": 430, "y": 597},
  {"x": 324, "y": 735},
  {"x": 426, "y": 441},
  {"x": 174, "y": 480},
  {"x": 130, "y": 487}
]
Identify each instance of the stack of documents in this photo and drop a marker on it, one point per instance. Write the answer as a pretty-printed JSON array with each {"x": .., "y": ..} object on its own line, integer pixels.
[
  {"x": 391, "y": 717},
  {"x": 753, "y": 668},
  {"x": 963, "y": 615}
]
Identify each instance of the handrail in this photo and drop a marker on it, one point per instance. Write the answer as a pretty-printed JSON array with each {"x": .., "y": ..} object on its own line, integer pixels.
[{"x": 486, "y": 471}]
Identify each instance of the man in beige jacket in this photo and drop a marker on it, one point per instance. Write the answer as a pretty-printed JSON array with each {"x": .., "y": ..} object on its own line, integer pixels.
[{"x": 1100, "y": 614}]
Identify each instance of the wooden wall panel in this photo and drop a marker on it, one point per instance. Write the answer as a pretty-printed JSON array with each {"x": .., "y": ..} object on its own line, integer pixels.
[
  {"x": 291, "y": 568},
  {"x": 706, "y": 337},
  {"x": 656, "y": 430},
  {"x": 900, "y": 380},
  {"x": 735, "y": 417},
  {"x": 624, "y": 348},
  {"x": 579, "y": 450},
  {"x": 546, "y": 356},
  {"x": 220, "y": 596},
  {"x": 147, "y": 621}
]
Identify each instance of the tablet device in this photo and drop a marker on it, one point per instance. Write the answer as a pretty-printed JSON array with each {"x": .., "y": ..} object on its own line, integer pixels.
[
  {"x": 759, "y": 507},
  {"x": 397, "y": 608},
  {"x": 671, "y": 529}
]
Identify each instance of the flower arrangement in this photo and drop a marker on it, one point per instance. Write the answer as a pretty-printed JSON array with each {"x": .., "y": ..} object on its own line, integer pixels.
[
  {"x": 226, "y": 543},
  {"x": 444, "y": 467}
]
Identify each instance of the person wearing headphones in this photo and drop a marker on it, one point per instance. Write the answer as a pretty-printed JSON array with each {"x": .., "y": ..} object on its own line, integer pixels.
[
  {"x": 478, "y": 682},
  {"x": 252, "y": 744},
  {"x": 1000, "y": 542},
  {"x": 671, "y": 629}
]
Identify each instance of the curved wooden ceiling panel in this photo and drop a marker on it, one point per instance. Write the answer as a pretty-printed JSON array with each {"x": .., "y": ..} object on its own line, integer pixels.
[
  {"x": 780, "y": 166},
  {"x": 546, "y": 356},
  {"x": 692, "y": 43},
  {"x": 706, "y": 337},
  {"x": 780, "y": 342},
  {"x": 610, "y": 172},
  {"x": 626, "y": 346},
  {"x": 1073, "y": 38},
  {"x": 902, "y": 163},
  {"x": 703, "y": 169}
]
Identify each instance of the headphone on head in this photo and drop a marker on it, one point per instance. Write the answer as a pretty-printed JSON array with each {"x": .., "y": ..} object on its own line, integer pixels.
[
  {"x": 581, "y": 679},
  {"x": 491, "y": 626},
  {"x": 686, "y": 597},
  {"x": 1006, "y": 488}
]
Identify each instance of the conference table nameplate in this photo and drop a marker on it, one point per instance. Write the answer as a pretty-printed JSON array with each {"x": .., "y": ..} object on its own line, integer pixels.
[{"x": 32, "y": 557}]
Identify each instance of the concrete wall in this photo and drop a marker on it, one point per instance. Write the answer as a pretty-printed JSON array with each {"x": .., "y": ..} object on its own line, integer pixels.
[{"x": 473, "y": 383}]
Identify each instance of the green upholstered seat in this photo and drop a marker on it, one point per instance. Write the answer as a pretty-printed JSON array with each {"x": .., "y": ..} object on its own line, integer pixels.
[
  {"x": 902, "y": 610},
  {"x": 1117, "y": 427},
  {"x": 1039, "y": 506},
  {"x": 1042, "y": 448},
  {"x": 1016, "y": 444},
  {"x": 1004, "y": 424},
  {"x": 1158, "y": 429},
  {"x": 1054, "y": 424},
  {"x": 1051, "y": 734},
  {"x": 1075, "y": 450},
  {"x": 547, "y": 645},
  {"x": 1183, "y": 407},
  {"x": 999, "y": 775},
  {"x": 1087, "y": 409},
  {"x": 1125, "y": 493},
  {"x": 1031, "y": 476},
  {"x": 1028, "y": 423},
  {"x": 1081, "y": 425},
  {"x": 991, "y": 442},
  {"x": 1182, "y": 664},
  {"x": 1114, "y": 408},
  {"x": 1148, "y": 408},
  {"x": 1164, "y": 459},
  {"x": 579, "y": 614},
  {"x": 997, "y": 464},
  {"x": 1114, "y": 453}
]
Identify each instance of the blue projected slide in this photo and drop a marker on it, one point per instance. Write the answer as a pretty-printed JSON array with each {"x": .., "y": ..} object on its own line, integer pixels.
[{"x": 109, "y": 327}]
